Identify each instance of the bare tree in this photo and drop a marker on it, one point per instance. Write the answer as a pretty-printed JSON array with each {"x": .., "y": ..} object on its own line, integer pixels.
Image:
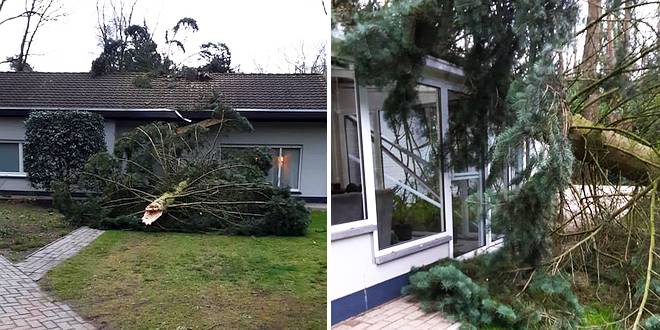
[
  {"x": 258, "y": 67},
  {"x": 37, "y": 13},
  {"x": 111, "y": 26},
  {"x": 301, "y": 63}
]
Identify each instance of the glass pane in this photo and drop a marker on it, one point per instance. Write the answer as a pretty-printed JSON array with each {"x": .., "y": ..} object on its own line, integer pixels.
[
  {"x": 273, "y": 173},
  {"x": 467, "y": 215},
  {"x": 347, "y": 200},
  {"x": 466, "y": 165},
  {"x": 408, "y": 169},
  {"x": 353, "y": 151},
  {"x": 290, "y": 163},
  {"x": 9, "y": 157}
]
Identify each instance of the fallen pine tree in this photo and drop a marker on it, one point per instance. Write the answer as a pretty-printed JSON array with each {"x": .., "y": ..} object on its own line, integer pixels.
[{"x": 171, "y": 177}]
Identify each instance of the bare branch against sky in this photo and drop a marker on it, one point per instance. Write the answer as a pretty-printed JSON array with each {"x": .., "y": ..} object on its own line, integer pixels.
[
  {"x": 72, "y": 43},
  {"x": 35, "y": 15}
]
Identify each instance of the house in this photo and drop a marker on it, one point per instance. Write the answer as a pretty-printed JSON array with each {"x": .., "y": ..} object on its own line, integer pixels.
[
  {"x": 288, "y": 112},
  {"x": 397, "y": 199}
]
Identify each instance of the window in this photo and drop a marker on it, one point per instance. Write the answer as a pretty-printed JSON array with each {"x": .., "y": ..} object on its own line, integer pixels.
[
  {"x": 286, "y": 164},
  {"x": 11, "y": 158},
  {"x": 348, "y": 200},
  {"x": 407, "y": 169},
  {"x": 286, "y": 167},
  {"x": 467, "y": 191}
]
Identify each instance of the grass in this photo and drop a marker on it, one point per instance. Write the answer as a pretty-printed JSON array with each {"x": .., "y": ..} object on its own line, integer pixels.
[
  {"x": 597, "y": 316},
  {"x": 25, "y": 227},
  {"x": 142, "y": 280}
]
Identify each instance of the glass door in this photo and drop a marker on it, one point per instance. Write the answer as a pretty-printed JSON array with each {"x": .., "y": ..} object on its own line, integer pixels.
[{"x": 466, "y": 167}]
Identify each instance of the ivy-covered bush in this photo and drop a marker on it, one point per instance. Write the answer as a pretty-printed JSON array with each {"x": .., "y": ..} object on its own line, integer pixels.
[{"x": 59, "y": 143}]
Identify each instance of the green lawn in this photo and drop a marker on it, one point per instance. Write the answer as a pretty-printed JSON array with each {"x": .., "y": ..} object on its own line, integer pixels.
[
  {"x": 25, "y": 227},
  {"x": 194, "y": 281}
]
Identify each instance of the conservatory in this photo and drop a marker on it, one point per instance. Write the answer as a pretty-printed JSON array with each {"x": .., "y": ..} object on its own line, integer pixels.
[{"x": 398, "y": 201}]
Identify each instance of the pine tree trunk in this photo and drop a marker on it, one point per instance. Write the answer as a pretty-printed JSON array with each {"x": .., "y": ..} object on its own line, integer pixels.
[{"x": 610, "y": 149}]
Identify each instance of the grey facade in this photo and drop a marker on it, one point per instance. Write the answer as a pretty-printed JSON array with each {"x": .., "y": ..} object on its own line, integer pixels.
[{"x": 298, "y": 126}]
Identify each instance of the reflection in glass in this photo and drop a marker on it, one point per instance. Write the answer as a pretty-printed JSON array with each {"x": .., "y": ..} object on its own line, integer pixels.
[
  {"x": 408, "y": 172},
  {"x": 468, "y": 223},
  {"x": 466, "y": 168},
  {"x": 289, "y": 162},
  {"x": 274, "y": 172},
  {"x": 347, "y": 201},
  {"x": 9, "y": 157}
]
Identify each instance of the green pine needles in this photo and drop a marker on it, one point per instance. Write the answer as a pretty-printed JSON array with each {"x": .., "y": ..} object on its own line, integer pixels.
[
  {"x": 446, "y": 288},
  {"x": 546, "y": 302}
]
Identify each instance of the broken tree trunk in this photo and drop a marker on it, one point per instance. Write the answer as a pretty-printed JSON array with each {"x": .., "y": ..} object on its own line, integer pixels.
[
  {"x": 155, "y": 209},
  {"x": 611, "y": 149}
]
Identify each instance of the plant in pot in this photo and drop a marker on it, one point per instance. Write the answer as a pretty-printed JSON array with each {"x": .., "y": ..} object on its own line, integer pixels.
[{"x": 401, "y": 216}]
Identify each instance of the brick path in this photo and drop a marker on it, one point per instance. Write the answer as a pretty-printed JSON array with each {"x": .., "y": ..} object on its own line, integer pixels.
[
  {"x": 49, "y": 256},
  {"x": 401, "y": 313},
  {"x": 22, "y": 304}
]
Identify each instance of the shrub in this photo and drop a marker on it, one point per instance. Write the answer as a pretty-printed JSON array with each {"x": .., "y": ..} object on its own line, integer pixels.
[
  {"x": 652, "y": 322},
  {"x": 58, "y": 143},
  {"x": 286, "y": 216}
]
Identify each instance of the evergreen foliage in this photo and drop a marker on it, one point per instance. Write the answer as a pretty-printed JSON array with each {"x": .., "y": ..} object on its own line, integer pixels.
[
  {"x": 446, "y": 288},
  {"x": 499, "y": 38},
  {"x": 136, "y": 51},
  {"x": 200, "y": 186},
  {"x": 58, "y": 143},
  {"x": 548, "y": 301}
]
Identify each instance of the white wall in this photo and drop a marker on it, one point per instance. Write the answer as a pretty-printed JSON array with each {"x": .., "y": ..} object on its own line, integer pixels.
[{"x": 353, "y": 268}]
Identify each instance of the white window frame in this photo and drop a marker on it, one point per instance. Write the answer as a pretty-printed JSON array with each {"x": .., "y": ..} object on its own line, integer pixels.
[
  {"x": 413, "y": 246},
  {"x": 21, "y": 171},
  {"x": 279, "y": 168},
  {"x": 368, "y": 225}
]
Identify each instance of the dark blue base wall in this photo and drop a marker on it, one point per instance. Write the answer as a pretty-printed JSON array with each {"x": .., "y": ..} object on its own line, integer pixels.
[
  {"x": 312, "y": 199},
  {"x": 358, "y": 302}
]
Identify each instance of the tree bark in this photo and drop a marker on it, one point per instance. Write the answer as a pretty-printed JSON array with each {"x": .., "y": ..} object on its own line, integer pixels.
[
  {"x": 611, "y": 149},
  {"x": 589, "y": 64}
]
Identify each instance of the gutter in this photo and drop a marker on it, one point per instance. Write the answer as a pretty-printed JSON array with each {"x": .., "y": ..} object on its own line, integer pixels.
[{"x": 304, "y": 115}]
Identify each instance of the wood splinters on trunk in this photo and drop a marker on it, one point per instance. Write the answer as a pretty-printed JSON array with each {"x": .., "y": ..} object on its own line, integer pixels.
[
  {"x": 158, "y": 207},
  {"x": 152, "y": 212}
]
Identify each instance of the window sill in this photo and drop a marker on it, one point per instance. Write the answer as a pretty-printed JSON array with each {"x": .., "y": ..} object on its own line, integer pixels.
[
  {"x": 397, "y": 252},
  {"x": 351, "y": 229},
  {"x": 12, "y": 175}
]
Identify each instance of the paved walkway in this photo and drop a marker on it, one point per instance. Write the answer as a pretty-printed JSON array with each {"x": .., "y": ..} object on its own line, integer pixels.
[
  {"x": 49, "y": 256},
  {"x": 22, "y": 304},
  {"x": 401, "y": 313}
]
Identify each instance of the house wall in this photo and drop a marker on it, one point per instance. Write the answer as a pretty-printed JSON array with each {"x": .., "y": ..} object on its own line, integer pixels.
[
  {"x": 359, "y": 283},
  {"x": 311, "y": 136},
  {"x": 13, "y": 129}
]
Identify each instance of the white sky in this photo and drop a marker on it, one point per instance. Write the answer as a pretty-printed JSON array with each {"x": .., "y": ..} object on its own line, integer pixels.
[{"x": 256, "y": 31}]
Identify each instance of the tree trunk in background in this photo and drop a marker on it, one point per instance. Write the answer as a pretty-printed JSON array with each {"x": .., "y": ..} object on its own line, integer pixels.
[
  {"x": 589, "y": 64},
  {"x": 609, "y": 37}
]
